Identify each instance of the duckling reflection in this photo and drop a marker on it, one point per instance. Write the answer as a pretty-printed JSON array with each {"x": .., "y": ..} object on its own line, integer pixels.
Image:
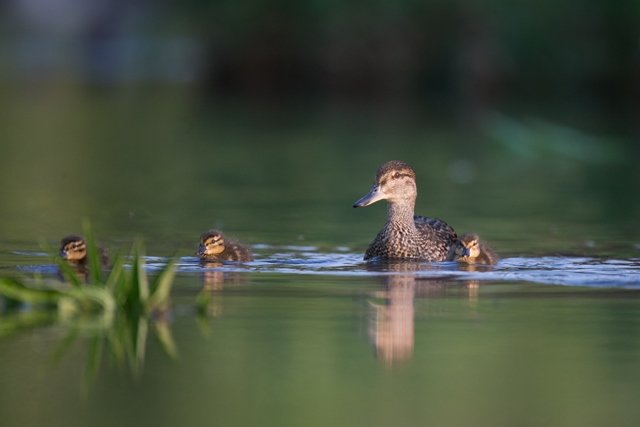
[
  {"x": 392, "y": 321},
  {"x": 214, "y": 278},
  {"x": 212, "y": 285},
  {"x": 214, "y": 275}
]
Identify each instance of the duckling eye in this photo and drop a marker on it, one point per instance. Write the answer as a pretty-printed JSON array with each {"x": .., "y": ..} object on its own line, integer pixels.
[{"x": 396, "y": 175}]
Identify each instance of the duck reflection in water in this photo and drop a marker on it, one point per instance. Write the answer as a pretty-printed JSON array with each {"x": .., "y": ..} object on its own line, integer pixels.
[
  {"x": 391, "y": 323},
  {"x": 392, "y": 314},
  {"x": 214, "y": 279}
]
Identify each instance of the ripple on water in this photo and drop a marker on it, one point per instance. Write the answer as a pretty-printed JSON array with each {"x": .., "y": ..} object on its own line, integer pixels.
[
  {"x": 558, "y": 270},
  {"x": 555, "y": 270}
]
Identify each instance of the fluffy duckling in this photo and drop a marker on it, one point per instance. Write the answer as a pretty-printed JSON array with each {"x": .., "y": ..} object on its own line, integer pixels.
[
  {"x": 470, "y": 249},
  {"x": 405, "y": 235},
  {"x": 74, "y": 249},
  {"x": 215, "y": 247}
]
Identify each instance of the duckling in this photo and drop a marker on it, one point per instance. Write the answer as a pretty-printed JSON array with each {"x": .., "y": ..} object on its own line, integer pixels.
[
  {"x": 74, "y": 249},
  {"x": 405, "y": 235},
  {"x": 215, "y": 247},
  {"x": 470, "y": 249}
]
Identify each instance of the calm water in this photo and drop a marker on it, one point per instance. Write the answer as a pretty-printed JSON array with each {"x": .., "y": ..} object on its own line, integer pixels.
[{"x": 308, "y": 334}]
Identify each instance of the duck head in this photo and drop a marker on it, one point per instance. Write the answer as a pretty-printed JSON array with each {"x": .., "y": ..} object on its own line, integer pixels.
[
  {"x": 73, "y": 248},
  {"x": 211, "y": 244},
  {"x": 395, "y": 182}
]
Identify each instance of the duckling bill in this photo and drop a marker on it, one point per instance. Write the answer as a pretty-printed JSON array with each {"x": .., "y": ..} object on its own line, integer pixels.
[
  {"x": 405, "y": 235},
  {"x": 215, "y": 247}
]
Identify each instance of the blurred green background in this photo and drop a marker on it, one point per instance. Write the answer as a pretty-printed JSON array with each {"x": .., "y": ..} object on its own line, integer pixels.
[{"x": 268, "y": 118}]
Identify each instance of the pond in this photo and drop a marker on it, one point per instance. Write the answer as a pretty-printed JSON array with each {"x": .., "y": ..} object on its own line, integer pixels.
[{"x": 309, "y": 334}]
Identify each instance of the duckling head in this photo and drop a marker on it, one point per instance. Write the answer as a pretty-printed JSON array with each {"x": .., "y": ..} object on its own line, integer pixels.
[
  {"x": 211, "y": 244},
  {"x": 469, "y": 246},
  {"x": 73, "y": 248},
  {"x": 395, "y": 182}
]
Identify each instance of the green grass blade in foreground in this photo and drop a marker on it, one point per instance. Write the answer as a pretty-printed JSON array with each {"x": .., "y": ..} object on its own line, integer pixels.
[
  {"x": 89, "y": 299},
  {"x": 69, "y": 273},
  {"x": 14, "y": 289},
  {"x": 116, "y": 282},
  {"x": 163, "y": 332},
  {"x": 139, "y": 275},
  {"x": 162, "y": 286},
  {"x": 14, "y": 322},
  {"x": 94, "y": 257},
  {"x": 119, "y": 337},
  {"x": 203, "y": 299},
  {"x": 140, "y": 344}
]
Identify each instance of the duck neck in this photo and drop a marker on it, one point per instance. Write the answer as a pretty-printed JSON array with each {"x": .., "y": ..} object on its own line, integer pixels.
[{"x": 400, "y": 216}]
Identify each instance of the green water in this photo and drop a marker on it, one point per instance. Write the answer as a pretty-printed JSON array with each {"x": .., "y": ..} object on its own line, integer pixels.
[
  {"x": 293, "y": 352},
  {"x": 307, "y": 334}
]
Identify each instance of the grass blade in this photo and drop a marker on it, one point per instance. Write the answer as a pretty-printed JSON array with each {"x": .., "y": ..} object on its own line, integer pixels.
[
  {"x": 163, "y": 332},
  {"x": 94, "y": 258},
  {"x": 162, "y": 286},
  {"x": 69, "y": 273},
  {"x": 140, "y": 344},
  {"x": 139, "y": 276},
  {"x": 12, "y": 288},
  {"x": 115, "y": 277}
]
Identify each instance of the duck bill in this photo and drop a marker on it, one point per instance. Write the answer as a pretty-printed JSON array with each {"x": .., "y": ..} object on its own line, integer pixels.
[
  {"x": 200, "y": 251},
  {"x": 375, "y": 195},
  {"x": 462, "y": 251}
]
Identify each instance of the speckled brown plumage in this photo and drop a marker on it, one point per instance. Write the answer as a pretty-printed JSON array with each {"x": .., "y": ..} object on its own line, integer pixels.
[
  {"x": 471, "y": 250},
  {"x": 215, "y": 247},
  {"x": 404, "y": 235}
]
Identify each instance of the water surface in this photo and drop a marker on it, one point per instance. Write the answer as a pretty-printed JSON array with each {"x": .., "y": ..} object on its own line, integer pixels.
[{"x": 309, "y": 334}]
